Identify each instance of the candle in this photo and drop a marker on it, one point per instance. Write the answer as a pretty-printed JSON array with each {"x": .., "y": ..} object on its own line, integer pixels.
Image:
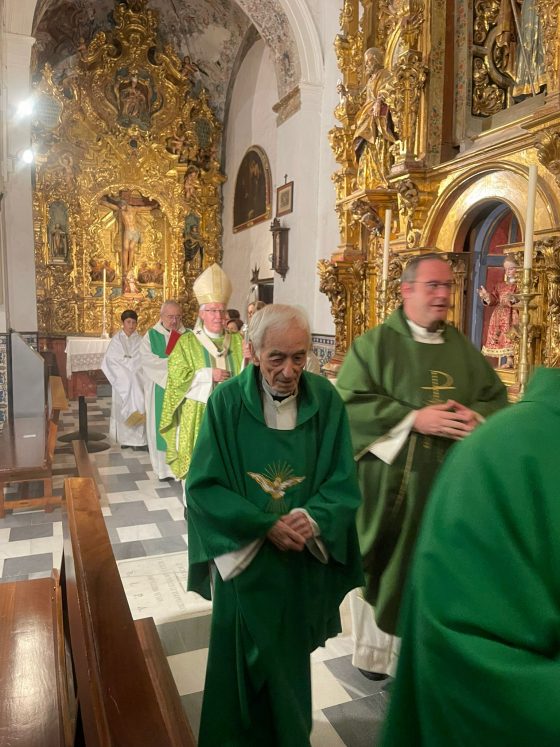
[
  {"x": 386, "y": 240},
  {"x": 530, "y": 220},
  {"x": 104, "y": 331},
  {"x": 164, "y": 290}
]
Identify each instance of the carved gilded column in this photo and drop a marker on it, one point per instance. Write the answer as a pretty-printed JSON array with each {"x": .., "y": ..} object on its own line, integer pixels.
[{"x": 549, "y": 249}]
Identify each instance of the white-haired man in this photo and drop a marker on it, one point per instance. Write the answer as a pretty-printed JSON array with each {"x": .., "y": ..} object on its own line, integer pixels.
[
  {"x": 201, "y": 360},
  {"x": 155, "y": 348},
  {"x": 271, "y": 500}
]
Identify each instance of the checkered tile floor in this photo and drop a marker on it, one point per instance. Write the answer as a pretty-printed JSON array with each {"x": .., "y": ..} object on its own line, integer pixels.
[{"x": 145, "y": 518}]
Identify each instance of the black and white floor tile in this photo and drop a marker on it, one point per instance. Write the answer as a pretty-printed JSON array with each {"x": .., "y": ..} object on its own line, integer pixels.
[{"x": 145, "y": 523}]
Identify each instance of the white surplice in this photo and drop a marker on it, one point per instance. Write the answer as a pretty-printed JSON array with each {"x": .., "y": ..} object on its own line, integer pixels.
[{"x": 121, "y": 366}]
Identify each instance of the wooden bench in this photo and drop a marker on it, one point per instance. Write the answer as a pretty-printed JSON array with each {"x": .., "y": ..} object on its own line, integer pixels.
[
  {"x": 84, "y": 465},
  {"x": 27, "y": 447},
  {"x": 37, "y": 706},
  {"x": 125, "y": 690}
]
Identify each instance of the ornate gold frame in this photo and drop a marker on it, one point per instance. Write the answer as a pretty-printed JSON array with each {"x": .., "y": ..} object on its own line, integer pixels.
[{"x": 124, "y": 119}]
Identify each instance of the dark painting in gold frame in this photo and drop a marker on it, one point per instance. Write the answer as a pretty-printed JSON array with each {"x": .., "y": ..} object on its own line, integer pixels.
[{"x": 251, "y": 202}]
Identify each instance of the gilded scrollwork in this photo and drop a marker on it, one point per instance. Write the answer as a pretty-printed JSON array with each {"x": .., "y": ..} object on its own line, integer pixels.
[
  {"x": 330, "y": 285},
  {"x": 128, "y": 186},
  {"x": 364, "y": 213},
  {"x": 548, "y": 151},
  {"x": 549, "y": 250},
  {"x": 487, "y": 98},
  {"x": 357, "y": 274},
  {"x": 409, "y": 198},
  {"x": 485, "y": 16}
]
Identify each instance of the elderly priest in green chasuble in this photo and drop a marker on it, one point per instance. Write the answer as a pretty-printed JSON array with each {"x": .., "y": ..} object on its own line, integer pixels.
[
  {"x": 412, "y": 386},
  {"x": 271, "y": 502},
  {"x": 155, "y": 348},
  {"x": 480, "y": 658},
  {"x": 200, "y": 360}
]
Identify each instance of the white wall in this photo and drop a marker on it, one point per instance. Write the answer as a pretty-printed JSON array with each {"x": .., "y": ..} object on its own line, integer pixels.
[
  {"x": 251, "y": 122},
  {"x": 299, "y": 147}
]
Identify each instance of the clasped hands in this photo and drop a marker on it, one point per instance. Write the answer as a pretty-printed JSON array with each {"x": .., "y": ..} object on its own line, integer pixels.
[
  {"x": 219, "y": 374},
  {"x": 450, "y": 420},
  {"x": 291, "y": 531}
]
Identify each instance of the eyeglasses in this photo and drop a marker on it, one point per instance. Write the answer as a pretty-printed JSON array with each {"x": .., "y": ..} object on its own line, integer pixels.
[
  {"x": 172, "y": 316},
  {"x": 221, "y": 312},
  {"x": 433, "y": 286}
]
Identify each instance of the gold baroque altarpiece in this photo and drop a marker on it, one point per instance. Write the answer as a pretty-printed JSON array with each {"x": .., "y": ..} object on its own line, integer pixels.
[
  {"x": 400, "y": 87},
  {"x": 127, "y": 195}
]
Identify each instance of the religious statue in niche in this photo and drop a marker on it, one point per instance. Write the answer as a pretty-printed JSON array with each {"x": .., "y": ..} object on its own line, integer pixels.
[
  {"x": 504, "y": 316},
  {"x": 57, "y": 233},
  {"x": 374, "y": 134},
  {"x": 519, "y": 47},
  {"x": 129, "y": 207},
  {"x": 135, "y": 97},
  {"x": 251, "y": 203},
  {"x": 191, "y": 237}
]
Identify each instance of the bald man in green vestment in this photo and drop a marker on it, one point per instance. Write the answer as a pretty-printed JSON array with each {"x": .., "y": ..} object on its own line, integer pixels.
[
  {"x": 271, "y": 500},
  {"x": 412, "y": 386},
  {"x": 480, "y": 658}
]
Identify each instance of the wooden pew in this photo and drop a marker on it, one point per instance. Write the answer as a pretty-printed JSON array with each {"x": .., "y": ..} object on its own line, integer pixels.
[
  {"x": 37, "y": 707},
  {"x": 85, "y": 466},
  {"x": 125, "y": 690}
]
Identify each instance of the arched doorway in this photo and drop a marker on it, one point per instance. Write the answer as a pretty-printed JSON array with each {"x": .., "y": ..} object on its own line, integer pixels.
[{"x": 492, "y": 226}]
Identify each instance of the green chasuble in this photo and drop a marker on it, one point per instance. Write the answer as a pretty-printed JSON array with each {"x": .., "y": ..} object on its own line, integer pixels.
[
  {"x": 158, "y": 344},
  {"x": 385, "y": 376},
  {"x": 480, "y": 657},
  {"x": 269, "y": 618},
  {"x": 181, "y": 416}
]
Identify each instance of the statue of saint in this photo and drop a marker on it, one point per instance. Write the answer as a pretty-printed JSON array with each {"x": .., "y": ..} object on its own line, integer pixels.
[
  {"x": 504, "y": 315},
  {"x": 374, "y": 133},
  {"x": 520, "y": 48},
  {"x": 58, "y": 242},
  {"x": 133, "y": 99},
  {"x": 190, "y": 183}
]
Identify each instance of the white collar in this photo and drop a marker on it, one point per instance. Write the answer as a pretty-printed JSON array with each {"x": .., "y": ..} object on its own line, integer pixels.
[
  {"x": 212, "y": 335},
  {"x": 270, "y": 393},
  {"x": 421, "y": 334}
]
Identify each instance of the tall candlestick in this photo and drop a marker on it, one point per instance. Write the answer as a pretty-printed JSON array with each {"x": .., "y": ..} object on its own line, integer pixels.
[
  {"x": 530, "y": 220},
  {"x": 386, "y": 240},
  {"x": 164, "y": 290},
  {"x": 104, "y": 317}
]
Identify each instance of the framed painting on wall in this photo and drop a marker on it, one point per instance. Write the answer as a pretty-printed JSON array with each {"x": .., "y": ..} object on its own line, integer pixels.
[
  {"x": 251, "y": 202},
  {"x": 285, "y": 199}
]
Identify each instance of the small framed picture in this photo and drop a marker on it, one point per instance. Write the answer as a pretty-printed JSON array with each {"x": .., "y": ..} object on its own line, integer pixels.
[{"x": 285, "y": 199}]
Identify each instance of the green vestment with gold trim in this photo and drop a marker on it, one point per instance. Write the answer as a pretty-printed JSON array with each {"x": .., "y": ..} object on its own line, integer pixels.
[
  {"x": 268, "y": 619},
  {"x": 181, "y": 417},
  {"x": 386, "y": 375}
]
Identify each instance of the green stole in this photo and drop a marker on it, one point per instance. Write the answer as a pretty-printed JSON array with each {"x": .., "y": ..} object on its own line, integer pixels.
[{"x": 158, "y": 344}]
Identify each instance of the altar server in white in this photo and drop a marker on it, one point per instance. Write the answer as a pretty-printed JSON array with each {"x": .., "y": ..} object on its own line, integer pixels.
[{"x": 121, "y": 366}]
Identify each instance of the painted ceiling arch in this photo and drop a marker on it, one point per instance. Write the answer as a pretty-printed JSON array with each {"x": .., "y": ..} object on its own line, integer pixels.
[{"x": 209, "y": 32}]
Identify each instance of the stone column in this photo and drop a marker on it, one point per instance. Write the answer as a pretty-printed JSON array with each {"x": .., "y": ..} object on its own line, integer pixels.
[{"x": 20, "y": 301}]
